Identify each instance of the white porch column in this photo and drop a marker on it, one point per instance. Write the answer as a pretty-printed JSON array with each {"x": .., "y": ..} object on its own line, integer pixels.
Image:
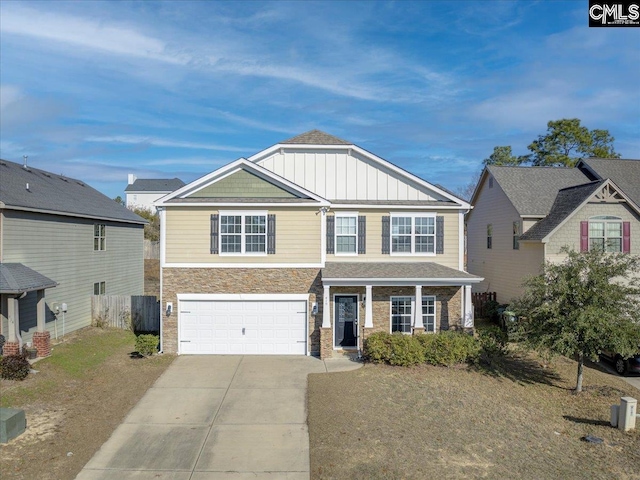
[
  {"x": 468, "y": 307},
  {"x": 417, "y": 311},
  {"x": 12, "y": 319},
  {"x": 40, "y": 311},
  {"x": 368, "y": 308},
  {"x": 326, "y": 310}
]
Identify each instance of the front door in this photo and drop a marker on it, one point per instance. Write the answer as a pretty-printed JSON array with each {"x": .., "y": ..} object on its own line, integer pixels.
[{"x": 346, "y": 320}]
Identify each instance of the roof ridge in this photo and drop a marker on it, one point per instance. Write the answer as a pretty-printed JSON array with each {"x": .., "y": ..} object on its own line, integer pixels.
[{"x": 316, "y": 137}]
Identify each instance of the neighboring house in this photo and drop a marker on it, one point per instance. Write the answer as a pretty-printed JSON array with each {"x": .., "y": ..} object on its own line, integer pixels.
[
  {"x": 141, "y": 193},
  {"x": 523, "y": 216},
  {"x": 307, "y": 247},
  {"x": 66, "y": 235}
]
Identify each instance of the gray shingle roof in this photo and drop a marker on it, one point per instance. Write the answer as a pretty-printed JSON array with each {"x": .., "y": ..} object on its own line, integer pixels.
[
  {"x": 624, "y": 173},
  {"x": 155, "y": 185},
  {"x": 532, "y": 190},
  {"x": 16, "y": 278},
  {"x": 57, "y": 194},
  {"x": 316, "y": 137},
  {"x": 392, "y": 270},
  {"x": 567, "y": 200}
]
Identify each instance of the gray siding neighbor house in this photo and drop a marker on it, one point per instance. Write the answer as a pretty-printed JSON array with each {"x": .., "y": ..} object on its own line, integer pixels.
[{"x": 68, "y": 232}]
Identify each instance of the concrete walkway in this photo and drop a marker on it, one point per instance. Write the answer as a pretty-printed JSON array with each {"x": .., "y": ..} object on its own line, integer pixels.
[{"x": 217, "y": 417}]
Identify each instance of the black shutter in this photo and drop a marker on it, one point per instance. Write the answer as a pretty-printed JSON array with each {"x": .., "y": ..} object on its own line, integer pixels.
[
  {"x": 439, "y": 235},
  {"x": 331, "y": 227},
  {"x": 271, "y": 234},
  {"x": 362, "y": 234},
  {"x": 214, "y": 233},
  {"x": 386, "y": 235}
]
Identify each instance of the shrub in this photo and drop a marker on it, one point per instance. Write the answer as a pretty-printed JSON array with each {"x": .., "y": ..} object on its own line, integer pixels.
[
  {"x": 14, "y": 367},
  {"x": 147, "y": 344},
  {"x": 449, "y": 348},
  {"x": 406, "y": 350},
  {"x": 377, "y": 347},
  {"x": 493, "y": 341}
]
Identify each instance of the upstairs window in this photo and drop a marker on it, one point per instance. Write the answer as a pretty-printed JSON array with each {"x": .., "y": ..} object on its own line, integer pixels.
[
  {"x": 489, "y": 236},
  {"x": 99, "y": 288},
  {"x": 413, "y": 234},
  {"x": 99, "y": 237},
  {"x": 605, "y": 233},
  {"x": 516, "y": 235},
  {"x": 346, "y": 234},
  {"x": 243, "y": 233}
]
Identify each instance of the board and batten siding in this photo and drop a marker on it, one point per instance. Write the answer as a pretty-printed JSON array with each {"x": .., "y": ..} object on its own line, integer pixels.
[
  {"x": 188, "y": 236},
  {"x": 503, "y": 268},
  {"x": 343, "y": 175},
  {"x": 449, "y": 258},
  {"x": 569, "y": 233},
  {"x": 61, "y": 248}
]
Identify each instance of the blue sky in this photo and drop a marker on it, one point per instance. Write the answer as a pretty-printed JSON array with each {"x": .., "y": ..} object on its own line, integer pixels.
[{"x": 96, "y": 90}]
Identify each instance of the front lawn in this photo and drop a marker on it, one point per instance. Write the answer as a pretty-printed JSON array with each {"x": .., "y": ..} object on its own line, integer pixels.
[
  {"x": 79, "y": 396},
  {"x": 516, "y": 420}
]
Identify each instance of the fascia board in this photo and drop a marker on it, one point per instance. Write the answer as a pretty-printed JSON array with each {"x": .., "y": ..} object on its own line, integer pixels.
[
  {"x": 393, "y": 282},
  {"x": 74, "y": 215}
]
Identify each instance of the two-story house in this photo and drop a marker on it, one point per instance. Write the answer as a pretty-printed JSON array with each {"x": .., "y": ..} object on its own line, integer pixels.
[
  {"x": 143, "y": 192},
  {"x": 523, "y": 216},
  {"x": 307, "y": 247},
  {"x": 60, "y": 235}
]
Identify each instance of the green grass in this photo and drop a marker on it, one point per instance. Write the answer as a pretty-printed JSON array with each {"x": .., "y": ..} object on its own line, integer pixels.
[{"x": 80, "y": 358}]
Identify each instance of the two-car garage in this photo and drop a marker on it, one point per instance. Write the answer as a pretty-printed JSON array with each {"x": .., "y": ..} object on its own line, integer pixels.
[{"x": 242, "y": 324}]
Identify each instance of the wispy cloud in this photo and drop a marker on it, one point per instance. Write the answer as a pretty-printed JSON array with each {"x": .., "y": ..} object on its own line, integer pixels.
[
  {"x": 85, "y": 33},
  {"x": 163, "y": 142}
]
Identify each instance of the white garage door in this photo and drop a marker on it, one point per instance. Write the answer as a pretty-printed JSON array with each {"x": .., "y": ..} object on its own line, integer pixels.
[{"x": 243, "y": 327}]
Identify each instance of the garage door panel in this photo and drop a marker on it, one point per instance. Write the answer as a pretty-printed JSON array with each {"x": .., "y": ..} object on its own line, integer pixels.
[{"x": 216, "y": 327}]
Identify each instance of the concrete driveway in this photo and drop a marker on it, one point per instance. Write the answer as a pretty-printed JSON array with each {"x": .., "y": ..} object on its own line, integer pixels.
[{"x": 222, "y": 417}]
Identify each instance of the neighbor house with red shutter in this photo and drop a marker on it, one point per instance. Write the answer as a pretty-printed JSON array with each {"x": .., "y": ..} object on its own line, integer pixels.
[{"x": 523, "y": 216}]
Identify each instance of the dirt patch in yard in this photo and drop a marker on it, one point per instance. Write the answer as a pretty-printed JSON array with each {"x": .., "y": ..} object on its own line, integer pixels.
[
  {"x": 516, "y": 420},
  {"x": 71, "y": 413}
]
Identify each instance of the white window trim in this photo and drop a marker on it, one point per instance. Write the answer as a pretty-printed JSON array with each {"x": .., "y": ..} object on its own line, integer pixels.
[
  {"x": 413, "y": 301},
  {"x": 413, "y": 216},
  {"x": 335, "y": 233},
  {"x": 243, "y": 234},
  {"x": 100, "y": 290},
  {"x": 605, "y": 221},
  {"x": 100, "y": 237},
  {"x": 413, "y": 306},
  {"x": 435, "y": 313}
]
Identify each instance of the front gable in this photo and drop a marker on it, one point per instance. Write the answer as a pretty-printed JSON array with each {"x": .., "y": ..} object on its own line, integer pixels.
[
  {"x": 242, "y": 184},
  {"x": 345, "y": 172}
]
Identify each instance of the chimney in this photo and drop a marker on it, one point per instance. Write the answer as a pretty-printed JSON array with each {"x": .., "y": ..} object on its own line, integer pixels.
[
  {"x": 24, "y": 164},
  {"x": 132, "y": 178}
]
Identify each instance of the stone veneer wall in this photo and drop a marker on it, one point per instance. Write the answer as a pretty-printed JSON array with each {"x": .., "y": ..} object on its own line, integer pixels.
[
  {"x": 239, "y": 280},
  {"x": 303, "y": 280},
  {"x": 448, "y": 306}
]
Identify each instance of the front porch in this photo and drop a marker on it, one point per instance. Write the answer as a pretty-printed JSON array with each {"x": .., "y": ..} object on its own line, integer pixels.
[
  {"x": 362, "y": 298},
  {"x": 16, "y": 280}
]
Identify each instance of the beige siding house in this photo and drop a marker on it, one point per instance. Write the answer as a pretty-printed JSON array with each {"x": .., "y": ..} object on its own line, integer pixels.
[
  {"x": 306, "y": 248},
  {"x": 524, "y": 216},
  {"x": 64, "y": 230}
]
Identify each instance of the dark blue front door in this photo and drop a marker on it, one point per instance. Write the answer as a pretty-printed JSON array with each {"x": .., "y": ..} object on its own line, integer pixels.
[{"x": 346, "y": 318}]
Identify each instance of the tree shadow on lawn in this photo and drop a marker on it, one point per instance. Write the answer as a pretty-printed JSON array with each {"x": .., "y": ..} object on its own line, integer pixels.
[{"x": 520, "y": 370}]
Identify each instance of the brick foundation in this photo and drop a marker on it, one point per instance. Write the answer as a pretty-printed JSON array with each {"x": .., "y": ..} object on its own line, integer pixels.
[
  {"x": 418, "y": 331},
  {"x": 11, "y": 348},
  {"x": 42, "y": 343}
]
